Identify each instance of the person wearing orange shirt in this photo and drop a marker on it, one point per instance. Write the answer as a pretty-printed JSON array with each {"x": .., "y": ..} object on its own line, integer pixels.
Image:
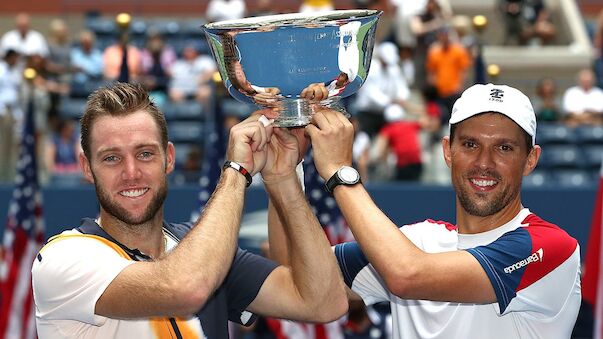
[{"x": 447, "y": 64}]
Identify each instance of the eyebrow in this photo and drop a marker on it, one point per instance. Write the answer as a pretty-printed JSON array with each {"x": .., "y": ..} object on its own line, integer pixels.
[
  {"x": 115, "y": 149},
  {"x": 498, "y": 140}
]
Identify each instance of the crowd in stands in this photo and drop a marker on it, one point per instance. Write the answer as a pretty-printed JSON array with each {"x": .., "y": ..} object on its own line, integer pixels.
[{"x": 418, "y": 71}]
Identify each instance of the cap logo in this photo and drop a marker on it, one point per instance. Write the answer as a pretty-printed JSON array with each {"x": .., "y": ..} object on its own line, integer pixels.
[{"x": 496, "y": 94}]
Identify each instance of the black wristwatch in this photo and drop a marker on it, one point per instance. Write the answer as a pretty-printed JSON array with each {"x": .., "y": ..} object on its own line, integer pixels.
[{"x": 346, "y": 175}]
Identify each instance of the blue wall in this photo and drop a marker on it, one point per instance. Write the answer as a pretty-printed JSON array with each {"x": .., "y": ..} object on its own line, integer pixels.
[{"x": 570, "y": 208}]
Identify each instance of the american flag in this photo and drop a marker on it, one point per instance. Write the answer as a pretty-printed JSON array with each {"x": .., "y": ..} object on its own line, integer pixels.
[
  {"x": 214, "y": 150},
  {"x": 324, "y": 205},
  {"x": 23, "y": 237}
]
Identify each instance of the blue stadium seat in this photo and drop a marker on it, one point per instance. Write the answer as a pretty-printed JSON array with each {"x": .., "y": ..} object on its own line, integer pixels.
[
  {"x": 593, "y": 156},
  {"x": 538, "y": 178},
  {"x": 192, "y": 28},
  {"x": 182, "y": 110},
  {"x": 561, "y": 156},
  {"x": 102, "y": 26},
  {"x": 554, "y": 133},
  {"x": 166, "y": 28},
  {"x": 186, "y": 131},
  {"x": 589, "y": 135},
  {"x": 231, "y": 106},
  {"x": 72, "y": 108},
  {"x": 573, "y": 178},
  {"x": 82, "y": 90},
  {"x": 182, "y": 150}
]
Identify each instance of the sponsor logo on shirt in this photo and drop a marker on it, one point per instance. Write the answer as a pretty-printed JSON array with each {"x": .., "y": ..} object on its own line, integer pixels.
[{"x": 536, "y": 256}]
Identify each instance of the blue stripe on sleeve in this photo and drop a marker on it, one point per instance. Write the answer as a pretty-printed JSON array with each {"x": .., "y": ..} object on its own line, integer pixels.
[
  {"x": 351, "y": 260},
  {"x": 507, "y": 250}
]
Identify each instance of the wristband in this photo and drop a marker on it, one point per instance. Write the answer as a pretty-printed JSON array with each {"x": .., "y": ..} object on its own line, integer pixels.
[{"x": 239, "y": 168}]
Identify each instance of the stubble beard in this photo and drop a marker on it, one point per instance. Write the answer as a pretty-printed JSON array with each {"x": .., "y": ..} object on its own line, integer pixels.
[
  {"x": 495, "y": 204},
  {"x": 122, "y": 214}
]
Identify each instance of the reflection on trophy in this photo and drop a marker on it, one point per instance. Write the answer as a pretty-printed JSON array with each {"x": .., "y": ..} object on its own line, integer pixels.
[{"x": 295, "y": 64}]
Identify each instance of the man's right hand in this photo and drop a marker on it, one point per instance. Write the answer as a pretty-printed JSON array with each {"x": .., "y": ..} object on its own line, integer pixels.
[
  {"x": 247, "y": 143},
  {"x": 332, "y": 136}
]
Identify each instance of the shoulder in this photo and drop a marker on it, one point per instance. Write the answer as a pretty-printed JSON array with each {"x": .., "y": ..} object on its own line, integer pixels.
[
  {"x": 544, "y": 234},
  {"x": 75, "y": 246}
]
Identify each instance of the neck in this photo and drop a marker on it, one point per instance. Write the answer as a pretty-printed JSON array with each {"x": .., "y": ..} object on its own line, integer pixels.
[
  {"x": 471, "y": 224},
  {"x": 148, "y": 237}
]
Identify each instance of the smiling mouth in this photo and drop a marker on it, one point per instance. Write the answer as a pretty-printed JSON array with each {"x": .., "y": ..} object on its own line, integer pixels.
[
  {"x": 482, "y": 183},
  {"x": 133, "y": 193}
]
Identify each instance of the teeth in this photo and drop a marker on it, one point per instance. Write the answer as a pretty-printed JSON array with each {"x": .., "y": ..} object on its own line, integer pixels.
[
  {"x": 134, "y": 193},
  {"x": 483, "y": 183}
]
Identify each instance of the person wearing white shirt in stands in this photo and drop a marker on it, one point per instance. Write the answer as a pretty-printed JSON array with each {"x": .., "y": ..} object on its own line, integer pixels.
[
  {"x": 583, "y": 103},
  {"x": 23, "y": 39}
]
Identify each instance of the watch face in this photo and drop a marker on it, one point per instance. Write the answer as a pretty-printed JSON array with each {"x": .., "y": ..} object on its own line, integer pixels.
[{"x": 348, "y": 175}]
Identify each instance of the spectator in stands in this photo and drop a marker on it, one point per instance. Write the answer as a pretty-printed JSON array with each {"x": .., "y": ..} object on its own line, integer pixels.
[
  {"x": 23, "y": 39},
  {"x": 191, "y": 76},
  {"x": 384, "y": 86},
  {"x": 11, "y": 115},
  {"x": 538, "y": 29},
  {"x": 361, "y": 149},
  {"x": 63, "y": 149},
  {"x": 598, "y": 44},
  {"x": 511, "y": 11},
  {"x": 218, "y": 10},
  {"x": 400, "y": 136},
  {"x": 447, "y": 65},
  {"x": 112, "y": 60},
  {"x": 547, "y": 104},
  {"x": 86, "y": 59},
  {"x": 425, "y": 27},
  {"x": 58, "y": 64},
  {"x": 583, "y": 103},
  {"x": 157, "y": 60}
]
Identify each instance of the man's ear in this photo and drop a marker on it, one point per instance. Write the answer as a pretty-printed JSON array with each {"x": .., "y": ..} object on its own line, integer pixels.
[
  {"x": 85, "y": 166},
  {"x": 447, "y": 151},
  {"x": 170, "y": 158},
  {"x": 532, "y": 160}
]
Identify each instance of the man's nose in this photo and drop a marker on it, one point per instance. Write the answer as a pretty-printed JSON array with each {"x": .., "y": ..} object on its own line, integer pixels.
[
  {"x": 485, "y": 159},
  {"x": 131, "y": 169}
]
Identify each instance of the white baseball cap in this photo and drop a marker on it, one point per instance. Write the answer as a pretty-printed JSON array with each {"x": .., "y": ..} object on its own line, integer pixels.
[{"x": 496, "y": 98}]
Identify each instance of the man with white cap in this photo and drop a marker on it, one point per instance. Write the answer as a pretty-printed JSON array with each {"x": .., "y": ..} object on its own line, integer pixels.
[{"x": 500, "y": 271}]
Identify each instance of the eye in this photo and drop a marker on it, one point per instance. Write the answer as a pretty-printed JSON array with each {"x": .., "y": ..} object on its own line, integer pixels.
[
  {"x": 469, "y": 144},
  {"x": 111, "y": 158},
  {"x": 506, "y": 148},
  {"x": 145, "y": 155}
]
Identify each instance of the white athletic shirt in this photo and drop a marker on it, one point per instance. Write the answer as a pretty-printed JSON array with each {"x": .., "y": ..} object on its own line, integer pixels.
[
  {"x": 79, "y": 283},
  {"x": 533, "y": 265}
]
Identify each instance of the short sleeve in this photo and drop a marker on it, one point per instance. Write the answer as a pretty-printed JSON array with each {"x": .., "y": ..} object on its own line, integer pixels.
[
  {"x": 70, "y": 275},
  {"x": 243, "y": 282},
  {"x": 531, "y": 269},
  {"x": 359, "y": 275}
]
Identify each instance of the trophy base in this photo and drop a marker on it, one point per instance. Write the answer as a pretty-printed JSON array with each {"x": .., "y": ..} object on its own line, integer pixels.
[{"x": 298, "y": 112}]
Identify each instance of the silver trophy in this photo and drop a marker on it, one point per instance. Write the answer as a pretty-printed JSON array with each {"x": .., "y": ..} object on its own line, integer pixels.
[{"x": 296, "y": 63}]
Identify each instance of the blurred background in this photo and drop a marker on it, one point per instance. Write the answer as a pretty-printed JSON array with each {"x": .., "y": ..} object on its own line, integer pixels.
[{"x": 427, "y": 53}]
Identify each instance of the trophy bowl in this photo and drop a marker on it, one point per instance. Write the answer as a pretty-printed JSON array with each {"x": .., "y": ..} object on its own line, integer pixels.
[{"x": 294, "y": 64}]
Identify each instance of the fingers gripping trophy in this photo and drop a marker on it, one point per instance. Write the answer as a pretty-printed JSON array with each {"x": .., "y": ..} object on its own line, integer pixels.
[{"x": 295, "y": 64}]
